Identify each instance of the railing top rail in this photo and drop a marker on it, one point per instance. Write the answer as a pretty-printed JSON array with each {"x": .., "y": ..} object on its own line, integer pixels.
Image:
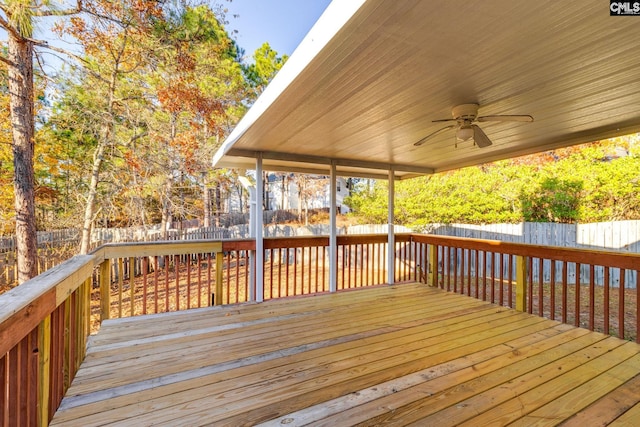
[
  {"x": 157, "y": 248},
  {"x": 313, "y": 241},
  {"x": 24, "y": 307},
  {"x": 295, "y": 242},
  {"x": 585, "y": 256}
]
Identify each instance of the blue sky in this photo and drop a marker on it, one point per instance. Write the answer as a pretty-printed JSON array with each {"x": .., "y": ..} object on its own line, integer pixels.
[{"x": 282, "y": 23}]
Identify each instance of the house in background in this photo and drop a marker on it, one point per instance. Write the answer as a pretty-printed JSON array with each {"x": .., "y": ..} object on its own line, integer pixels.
[{"x": 288, "y": 191}]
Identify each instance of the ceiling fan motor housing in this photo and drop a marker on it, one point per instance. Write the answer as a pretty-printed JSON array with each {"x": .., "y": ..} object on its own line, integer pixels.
[{"x": 465, "y": 112}]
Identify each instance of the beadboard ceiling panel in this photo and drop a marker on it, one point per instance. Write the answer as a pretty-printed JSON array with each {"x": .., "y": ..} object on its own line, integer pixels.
[{"x": 370, "y": 77}]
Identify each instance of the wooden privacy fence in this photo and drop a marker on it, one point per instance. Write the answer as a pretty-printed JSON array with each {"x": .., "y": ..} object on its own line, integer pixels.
[{"x": 45, "y": 322}]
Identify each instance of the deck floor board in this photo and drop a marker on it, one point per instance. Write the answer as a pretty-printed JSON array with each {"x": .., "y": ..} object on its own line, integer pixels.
[{"x": 393, "y": 355}]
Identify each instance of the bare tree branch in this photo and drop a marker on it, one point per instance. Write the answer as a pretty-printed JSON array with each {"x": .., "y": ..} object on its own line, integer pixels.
[
  {"x": 53, "y": 12},
  {"x": 40, "y": 64},
  {"x": 10, "y": 28},
  {"x": 6, "y": 61},
  {"x": 44, "y": 44}
]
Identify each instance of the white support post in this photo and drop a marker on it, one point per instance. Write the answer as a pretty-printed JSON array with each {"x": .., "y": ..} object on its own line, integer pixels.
[
  {"x": 251, "y": 189},
  {"x": 391, "y": 259},
  {"x": 258, "y": 288},
  {"x": 333, "y": 231}
]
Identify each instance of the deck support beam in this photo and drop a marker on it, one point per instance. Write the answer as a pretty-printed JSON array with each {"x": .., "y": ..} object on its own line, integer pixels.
[
  {"x": 333, "y": 231},
  {"x": 391, "y": 237}
]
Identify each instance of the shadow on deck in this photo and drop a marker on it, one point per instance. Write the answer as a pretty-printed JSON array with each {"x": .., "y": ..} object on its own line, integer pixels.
[{"x": 392, "y": 354}]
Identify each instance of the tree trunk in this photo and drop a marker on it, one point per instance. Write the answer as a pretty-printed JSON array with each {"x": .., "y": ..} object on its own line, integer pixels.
[
  {"x": 166, "y": 207},
  {"x": 20, "y": 53},
  {"x": 284, "y": 189},
  {"x": 218, "y": 203},
  {"x": 206, "y": 201},
  {"x": 98, "y": 158},
  {"x": 87, "y": 223}
]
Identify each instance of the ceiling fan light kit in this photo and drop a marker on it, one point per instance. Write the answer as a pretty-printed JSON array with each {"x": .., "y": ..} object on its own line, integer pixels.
[
  {"x": 465, "y": 115},
  {"x": 464, "y": 133}
]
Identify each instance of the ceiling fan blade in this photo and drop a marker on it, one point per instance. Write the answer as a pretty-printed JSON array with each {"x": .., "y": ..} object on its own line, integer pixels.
[
  {"x": 506, "y": 118},
  {"x": 423, "y": 140},
  {"x": 479, "y": 137},
  {"x": 443, "y": 120}
]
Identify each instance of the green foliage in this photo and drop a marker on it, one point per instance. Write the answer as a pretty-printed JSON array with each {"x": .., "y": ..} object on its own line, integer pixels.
[
  {"x": 585, "y": 184},
  {"x": 552, "y": 200},
  {"x": 264, "y": 68}
]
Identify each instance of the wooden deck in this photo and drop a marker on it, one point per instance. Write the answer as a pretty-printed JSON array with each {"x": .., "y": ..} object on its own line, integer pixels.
[{"x": 398, "y": 355}]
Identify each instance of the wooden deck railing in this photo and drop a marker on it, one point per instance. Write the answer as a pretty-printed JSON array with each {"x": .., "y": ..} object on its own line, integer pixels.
[
  {"x": 44, "y": 323},
  {"x": 300, "y": 265},
  {"x": 541, "y": 280}
]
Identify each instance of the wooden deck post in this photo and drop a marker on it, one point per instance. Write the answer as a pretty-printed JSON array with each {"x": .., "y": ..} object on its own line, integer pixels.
[
  {"x": 521, "y": 283},
  {"x": 433, "y": 266},
  {"x": 219, "y": 271},
  {"x": 105, "y": 289},
  {"x": 44, "y": 370}
]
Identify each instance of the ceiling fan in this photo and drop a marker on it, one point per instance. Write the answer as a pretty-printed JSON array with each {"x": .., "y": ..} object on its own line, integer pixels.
[{"x": 465, "y": 116}]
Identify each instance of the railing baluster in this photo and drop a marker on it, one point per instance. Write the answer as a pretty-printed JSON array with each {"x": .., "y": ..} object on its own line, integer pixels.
[
  {"x": 501, "y": 279},
  {"x": 607, "y": 302},
  {"x": 494, "y": 265},
  {"x": 120, "y": 285},
  {"x": 271, "y": 294},
  {"x": 485, "y": 266},
  {"x": 279, "y": 272},
  {"x": 540, "y": 287},
  {"x": 510, "y": 290},
  {"x": 521, "y": 283},
  {"x": 166, "y": 283},
  {"x": 132, "y": 285},
  {"x": 317, "y": 267},
  {"x": 565, "y": 290},
  {"x": 577, "y": 295},
  {"x": 302, "y": 263},
  {"x": 188, "y": 262},
  {"x": 309, "y": 269},
  {"x": 295, "y": 271},
  {"x": 530, "y": 285},
  {"x": 592, "y": 297},
  {"x": 462, "y": 270},
  {"x": 145, "y": 265},
  {"x": 324, "y": 268},
  {"x": 552, "y": 291},
  {"x": 156, "y": 269},
  {"x": 286, "y": 289},
  {"x": 227, "y": 259},
  {"x": 199, "y": 264},
  {"x": 176, "y": 271},
  {"x": 621, "y": 304},
  {"x": 455, "y": 269},
  {"x": 477, "y": 274}
]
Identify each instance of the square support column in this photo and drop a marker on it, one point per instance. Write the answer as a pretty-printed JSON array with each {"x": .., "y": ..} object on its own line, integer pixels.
[
  {"x": 257, "y": 291},
  {"x": 391, "y": 256},
  {"x": 333, "y": 231}
]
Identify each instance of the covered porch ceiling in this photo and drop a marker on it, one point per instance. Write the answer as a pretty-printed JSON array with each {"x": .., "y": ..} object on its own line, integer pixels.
[{"x": 369, "y": 78}]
